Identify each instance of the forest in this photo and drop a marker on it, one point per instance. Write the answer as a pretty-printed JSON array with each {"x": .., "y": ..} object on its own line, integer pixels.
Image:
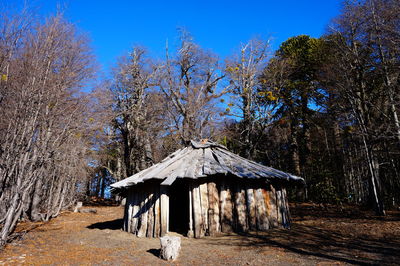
[{"x": 324, "y": 109}]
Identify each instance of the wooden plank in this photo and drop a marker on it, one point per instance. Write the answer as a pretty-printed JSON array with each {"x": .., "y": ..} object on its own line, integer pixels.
[
  {"x": 283, "y": 208},
  {"x": 270, "y": 201},
  {"x": 164, "y": 210},
  {"x": 157, "y": 215},
  {"x": 136, "y": 200},
  {"x": 126, "y": 219},
  {"x": 226, "y": 207},
  {"x": 143, "y": 212},
  {"x": 211, "y": 165},
  {"x": 191, "y": 172},
  {"x": 132, "y": 198},
  {"x": 135, "y": 223},
  {"x": 127, "y": 215},
  {"x": 279, "y": 205},
  {"x": 251, "y": 208},
  {"x": 197, "y": 215},
  {"x": 177, "y": 169},
  {"x": 213, "y": 213},
  {"x": 250, "y": 169},
  {"x": 287, "y": 210},
  {"x": 204, "y": 206},
  {"x": 240, "y": 207},
  {"x": 150, "y": 172},
  {"x": 261, "y": 211},
  {"x": 170, "y": 166},
  {"x": 190, "y": 231},
  {"x": 169, "y": 180},
  {"x": 150, "y": 216},
  {"x": 153, "y": 171}
]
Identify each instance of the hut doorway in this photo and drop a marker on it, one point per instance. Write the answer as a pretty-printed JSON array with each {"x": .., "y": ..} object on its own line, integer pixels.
[{"x": 179, "y": 207}]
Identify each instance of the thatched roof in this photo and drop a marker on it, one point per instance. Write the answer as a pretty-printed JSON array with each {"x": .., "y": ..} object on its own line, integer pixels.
[{"x": 201, "y": 159}]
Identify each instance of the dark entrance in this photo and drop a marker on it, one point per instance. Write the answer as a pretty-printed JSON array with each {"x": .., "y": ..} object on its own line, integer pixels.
[{"x": 179, "y": 207}]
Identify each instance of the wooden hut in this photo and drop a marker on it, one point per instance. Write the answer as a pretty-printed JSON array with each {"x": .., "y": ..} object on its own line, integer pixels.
[{"x": 204, "y": 189}]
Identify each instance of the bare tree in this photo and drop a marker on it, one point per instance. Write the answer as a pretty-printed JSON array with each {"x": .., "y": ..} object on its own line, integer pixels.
[
  {"x": 189, "y": 83},
  {"x": 359, "y": 58},
  {"x": 137, "y": 110},
  {"x": 244, "y": 71},
  {"x": 42, "y": 117}
]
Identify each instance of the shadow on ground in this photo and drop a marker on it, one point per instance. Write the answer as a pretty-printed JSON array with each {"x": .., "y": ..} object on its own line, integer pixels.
[
  {"x": 112, "y": 225},
  {"x": 308, "y": 240},
  {"x": 364, "y": 240},
  {"x": 155, "y": 252},
  {"x": 316, "y": 211}
]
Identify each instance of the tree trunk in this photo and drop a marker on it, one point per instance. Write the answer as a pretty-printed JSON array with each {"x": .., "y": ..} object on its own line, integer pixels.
[{"x": 37, "y": 197}]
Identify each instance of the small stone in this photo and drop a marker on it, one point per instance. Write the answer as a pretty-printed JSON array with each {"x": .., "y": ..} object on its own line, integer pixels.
[
  {"x": 79, "y": 205},
  {"x": 170, "y": 247}
]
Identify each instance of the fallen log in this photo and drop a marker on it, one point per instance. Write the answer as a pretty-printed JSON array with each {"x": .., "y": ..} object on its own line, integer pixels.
[{"x": 87, "y": 210}]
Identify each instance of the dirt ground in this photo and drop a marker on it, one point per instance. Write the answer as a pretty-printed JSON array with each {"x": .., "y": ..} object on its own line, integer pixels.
[{"x": 319, "y": 236}]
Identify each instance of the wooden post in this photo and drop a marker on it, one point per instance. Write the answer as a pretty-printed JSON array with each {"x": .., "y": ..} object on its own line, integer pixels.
[
  {"x": 198, "y": 221},
  {"x": 204, "y": 206},
  {"x": 150, "y": 216},
  {"x": 190, "y": 232},
  {"x": 136, "y": 216},
  {"x": 226, "y": 208},
  {"x": 261, "y": 212},
  {"x": 270, "y": 200},
  {"x": 213, "y": 211},
  {"x": 143, "y": 214},
  {"x": 240, "y": 206},
  {"x": 135, "y": 200},
  {"x": 131, "y": 210},
  {"x": 164, "y": 210},
  {"x": 157, "y": 212},
  {"x": 251, "y": 208},
  {"x": 287, "y": 211},
  {"x": 279, "y": 207},
  {"x": 127, "y": 216}
]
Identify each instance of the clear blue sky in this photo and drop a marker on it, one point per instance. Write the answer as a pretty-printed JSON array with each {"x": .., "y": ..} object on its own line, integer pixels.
[{"x": 115, "y": 26}]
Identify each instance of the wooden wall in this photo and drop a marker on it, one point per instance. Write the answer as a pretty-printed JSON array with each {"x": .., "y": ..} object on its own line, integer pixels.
[
  {"x": 217, "y": 204},
  {"x": 144, "y": 215}
]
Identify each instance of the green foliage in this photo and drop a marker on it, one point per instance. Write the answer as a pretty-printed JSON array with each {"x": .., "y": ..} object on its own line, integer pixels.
[{"x": 301, "y": 49}]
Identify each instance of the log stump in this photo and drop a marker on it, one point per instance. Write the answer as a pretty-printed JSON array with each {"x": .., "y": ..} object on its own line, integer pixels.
[{"x": 170, "y": 247}]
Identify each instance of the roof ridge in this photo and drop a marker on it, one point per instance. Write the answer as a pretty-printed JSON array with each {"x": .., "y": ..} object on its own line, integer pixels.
[{"x": 206, "y": 144}]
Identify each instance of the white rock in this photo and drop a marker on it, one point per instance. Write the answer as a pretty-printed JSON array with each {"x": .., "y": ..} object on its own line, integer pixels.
[
  {"x": 170, "y": 247},
  {"x": 79, "y": 205}
]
